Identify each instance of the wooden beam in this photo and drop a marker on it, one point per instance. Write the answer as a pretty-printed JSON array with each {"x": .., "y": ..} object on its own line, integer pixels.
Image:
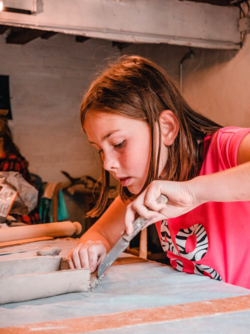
[
  {"x": 20, "y": 6},
  {"x": 81, "y": 39},
  {"x": 215, "y": 2},
  {"x": 48, "y": 34},
  {"x": 3, "y": 28},
  {"x": 23, "y": 35},
  {"x": 139, "y": 21},
  {"x": 120, "y": 45}
]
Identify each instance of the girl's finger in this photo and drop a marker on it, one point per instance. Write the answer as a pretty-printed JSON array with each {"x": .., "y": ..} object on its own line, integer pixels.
[
  {"x": 75, "y": 256},
  {"x": 129, "y": 220},
  {"x": 154, "y": 199},
  {"x": 143, "y": 211},
  {"x": 84, "y": 254},
  {"x": 95, "y": 252},
  {"x": 153, "y": 205},
  {"x": 70, "y": 262},
  {"x": 101, "y": 258}
]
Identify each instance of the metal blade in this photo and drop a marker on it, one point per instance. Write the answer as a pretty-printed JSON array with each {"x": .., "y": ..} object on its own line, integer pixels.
[
  {"x": 119, "y": 247},
  {"x": 123, "y": 243}
]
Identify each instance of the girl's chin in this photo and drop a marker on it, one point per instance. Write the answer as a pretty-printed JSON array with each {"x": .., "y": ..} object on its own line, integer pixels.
[{"x": 134, "y": 190}]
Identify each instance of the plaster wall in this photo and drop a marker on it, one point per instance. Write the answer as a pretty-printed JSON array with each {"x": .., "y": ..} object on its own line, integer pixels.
[
  {"x": 47, "y": 82},
  {"x": 217, "y": 84},
  {"x": 48, "y": 79}
]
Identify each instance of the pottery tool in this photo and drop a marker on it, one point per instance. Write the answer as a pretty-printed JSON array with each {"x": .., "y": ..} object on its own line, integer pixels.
[
  {"x": 55, "y": 229},
  {"x": 124, "y": 241}
]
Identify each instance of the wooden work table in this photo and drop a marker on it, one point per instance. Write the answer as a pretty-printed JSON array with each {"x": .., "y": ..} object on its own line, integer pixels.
[{"x": 135, "y": 296}]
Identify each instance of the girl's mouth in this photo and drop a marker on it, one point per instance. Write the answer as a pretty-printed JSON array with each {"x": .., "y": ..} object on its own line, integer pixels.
[{"x": 125, "y": 181}]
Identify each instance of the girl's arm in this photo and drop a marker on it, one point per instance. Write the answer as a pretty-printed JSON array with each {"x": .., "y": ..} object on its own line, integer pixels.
[
  {"x": 100, "y": 238},
  {"x": 226, "y": 186}
]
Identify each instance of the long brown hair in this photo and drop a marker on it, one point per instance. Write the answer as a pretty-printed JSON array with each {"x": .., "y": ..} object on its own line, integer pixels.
[{"x": 136, "y": 87}]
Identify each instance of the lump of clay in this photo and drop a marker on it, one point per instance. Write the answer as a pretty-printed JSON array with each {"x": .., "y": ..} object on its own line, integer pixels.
[{"x": 49, "y": 251}]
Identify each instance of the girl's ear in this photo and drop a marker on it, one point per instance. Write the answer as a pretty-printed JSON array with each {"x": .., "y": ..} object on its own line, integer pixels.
[{"x": 169, "y": 127}]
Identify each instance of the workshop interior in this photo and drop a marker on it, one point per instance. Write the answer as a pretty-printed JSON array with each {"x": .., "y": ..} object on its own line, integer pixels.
[{"x": 51, "y": 176}]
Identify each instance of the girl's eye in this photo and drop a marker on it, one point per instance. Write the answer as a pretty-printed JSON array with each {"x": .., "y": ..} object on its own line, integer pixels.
[{"x": 120, "y": 144}]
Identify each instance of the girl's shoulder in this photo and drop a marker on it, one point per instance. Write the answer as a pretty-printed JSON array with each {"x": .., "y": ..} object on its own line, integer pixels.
[
  {"x": 223, "y": 145},
  {"x": 227, "y": 133},
  {"x": 230, "y": 134}
]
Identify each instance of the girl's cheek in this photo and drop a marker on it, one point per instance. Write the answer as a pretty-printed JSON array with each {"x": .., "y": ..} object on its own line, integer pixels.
[{"x": 125, "y": 156}]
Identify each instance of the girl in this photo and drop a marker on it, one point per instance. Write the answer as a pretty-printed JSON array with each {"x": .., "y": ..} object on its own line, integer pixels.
[{"x": 153, "y": 143}]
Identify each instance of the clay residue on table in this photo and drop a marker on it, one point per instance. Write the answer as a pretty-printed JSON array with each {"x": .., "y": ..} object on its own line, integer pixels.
[{"x": 94, "y": 280}]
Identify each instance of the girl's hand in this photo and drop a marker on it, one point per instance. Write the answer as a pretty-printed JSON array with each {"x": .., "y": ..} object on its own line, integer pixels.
[
  {"x": 88, "y": 255},
  {"x": 180, "y": 200}
]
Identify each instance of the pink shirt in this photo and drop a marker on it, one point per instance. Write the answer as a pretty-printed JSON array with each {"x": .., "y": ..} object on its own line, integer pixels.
[{"x": 214, "y": 238}]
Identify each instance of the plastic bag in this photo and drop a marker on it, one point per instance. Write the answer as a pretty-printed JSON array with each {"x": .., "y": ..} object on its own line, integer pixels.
[{"x": 17, "y": 193}]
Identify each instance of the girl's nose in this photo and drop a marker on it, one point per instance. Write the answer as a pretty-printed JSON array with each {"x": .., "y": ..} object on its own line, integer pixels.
[{"x": 109, "y": 161}]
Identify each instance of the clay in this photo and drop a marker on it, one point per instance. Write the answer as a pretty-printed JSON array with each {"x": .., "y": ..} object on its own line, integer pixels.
[
  {"x": 64, "y": 264},
  {"x": 25, "y": 279},
  {"x": 52, "y": 251},
  {"x": 26, "y": 276},
  {"x": 94, "y": 280},
  {"x": 31, "y": 265},
  {"x": 33, "y": 286}
]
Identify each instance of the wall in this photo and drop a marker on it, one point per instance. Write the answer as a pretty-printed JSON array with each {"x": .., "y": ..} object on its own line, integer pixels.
[
  {"x": 217, "y": 83},
  {"x": 47, "y": 82},
  {"x": 48, "y": 78}
]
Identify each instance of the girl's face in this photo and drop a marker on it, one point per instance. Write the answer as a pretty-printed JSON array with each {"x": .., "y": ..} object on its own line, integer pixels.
[{"x": 124, "y": 145}]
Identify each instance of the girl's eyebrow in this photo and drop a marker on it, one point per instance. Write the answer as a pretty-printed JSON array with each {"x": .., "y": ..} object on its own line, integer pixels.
[{"x": 107, "y": 135}]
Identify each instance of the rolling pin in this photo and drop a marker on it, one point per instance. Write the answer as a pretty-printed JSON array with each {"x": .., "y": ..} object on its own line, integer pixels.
[{"x": 62, "y": 229}]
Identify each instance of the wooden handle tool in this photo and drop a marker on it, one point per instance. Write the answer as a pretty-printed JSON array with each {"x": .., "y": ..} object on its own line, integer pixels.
[{"x": 57, "y": 229}]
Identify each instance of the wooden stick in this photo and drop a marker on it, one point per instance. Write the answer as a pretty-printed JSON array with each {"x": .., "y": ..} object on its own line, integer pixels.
[
  {"x": 143, "y": 248},
  {"x": 62, "y": 229}
]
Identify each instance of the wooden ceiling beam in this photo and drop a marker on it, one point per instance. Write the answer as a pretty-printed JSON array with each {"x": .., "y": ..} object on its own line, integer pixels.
[
  {"x": 186, "y": 23},
  {"x": 120, "y": 45},
  {"x": 3, "y": 28},
  {"x": 81, "y": 39},
  {"x": 25, "y": 35},
  {"x": 215, "y": 2},
  {"x": 48, "y": 34}
]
